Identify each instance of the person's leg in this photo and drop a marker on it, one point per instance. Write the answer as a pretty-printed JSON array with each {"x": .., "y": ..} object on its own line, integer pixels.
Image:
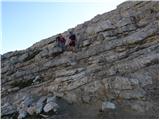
[
  {"x": 59, "y": 44},
  {"x": 74, "y": 46},
  {"x": 63, "y": 46}
]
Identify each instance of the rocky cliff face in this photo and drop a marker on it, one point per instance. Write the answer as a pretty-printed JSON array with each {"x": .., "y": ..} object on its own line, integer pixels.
[{"x": 113, "y": 73}]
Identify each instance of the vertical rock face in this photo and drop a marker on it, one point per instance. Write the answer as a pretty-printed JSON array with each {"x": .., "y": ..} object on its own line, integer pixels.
[{"x": 116, "y": 60}]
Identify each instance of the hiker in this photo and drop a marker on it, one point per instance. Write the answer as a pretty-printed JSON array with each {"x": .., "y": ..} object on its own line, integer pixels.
[
  {"x": 72, "y": 42},
  {"x": 61, "y": 41}
]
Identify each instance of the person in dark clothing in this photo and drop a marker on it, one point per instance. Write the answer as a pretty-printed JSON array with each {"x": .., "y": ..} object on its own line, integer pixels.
[
  {"x": 61, "y": 41},
  {"x": 72, "y": 42}
]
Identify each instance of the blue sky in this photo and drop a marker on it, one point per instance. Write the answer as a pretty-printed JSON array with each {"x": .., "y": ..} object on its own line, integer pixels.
[{"x": 24, "y": 23}]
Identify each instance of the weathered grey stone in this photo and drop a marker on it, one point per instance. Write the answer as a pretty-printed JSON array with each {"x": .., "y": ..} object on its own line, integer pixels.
[
  {"x": 13, "y": 89},
  {"x": 127, "y": 5},
  {"x": 26, "y": 101},
  {"x": 86, "y": 42},
  {"x": 143, "y": 78},
  {"x": 104, "y": 25},
  {"x": 136, "y": 93},
  {"x": 53, "y": 51},
  {"x": 7, "y": 109},
  {"x": 134, "y": 64},
  {"x": 23, "y": 57},
  {"x": 68, "y": 72},
  {"x": 56, "y": 62},
  {"x": 91, "y": 30},
  {"x": 31, "y": 110},
  {"x": 141, "y": 106},
  {"x": 20, "y": 73},
  {"x": 51, "y": 99},
  {"x": 37, "y": 80},
  {"x": 4, "y": 69},
  {"x": 124, "y": 21},
  {"x": 71, "y": 97},
  {"x": 121, "y": 83},
  {"x": 40, "y": 104},
  {"x": 43, "y": 53},
  {"x": 86, "y": 98},
  {"x": 22, "y": 114},
  {"x": 134, "y": 81},
  {"x": 92, "y": 92},
  {"x": 108, "y": 105},
  {"x": 142, "y": 34},
  {"x": 51, "y": 106},
  {"x": 100, "y": 37}
]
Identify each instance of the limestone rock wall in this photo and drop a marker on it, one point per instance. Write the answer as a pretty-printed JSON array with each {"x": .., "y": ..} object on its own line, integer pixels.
[{"x": 117, "y": 60}]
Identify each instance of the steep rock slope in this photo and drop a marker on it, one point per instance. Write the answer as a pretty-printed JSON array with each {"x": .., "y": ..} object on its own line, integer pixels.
[{"x": 113, "y": 73}]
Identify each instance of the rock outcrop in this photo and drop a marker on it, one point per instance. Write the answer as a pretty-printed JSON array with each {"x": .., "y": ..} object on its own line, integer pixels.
[{"x": 115, "y": 67}]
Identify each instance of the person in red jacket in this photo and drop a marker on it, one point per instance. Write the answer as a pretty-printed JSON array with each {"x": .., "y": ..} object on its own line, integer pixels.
[{"x": 61, "y": 41}]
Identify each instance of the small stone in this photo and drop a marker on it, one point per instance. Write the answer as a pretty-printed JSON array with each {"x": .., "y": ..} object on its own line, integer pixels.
[
  {"x": 108, "y": 105},
  {"x": 37, "y": 79},
  {"x": 50, "y": 106}
]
